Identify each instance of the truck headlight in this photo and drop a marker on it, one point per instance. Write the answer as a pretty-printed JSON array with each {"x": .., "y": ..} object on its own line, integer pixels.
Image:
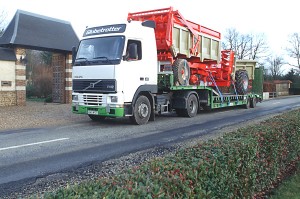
[{"x": 114, "y": 98}]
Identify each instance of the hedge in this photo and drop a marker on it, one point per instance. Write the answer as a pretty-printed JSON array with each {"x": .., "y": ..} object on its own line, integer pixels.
[{"x": 247, "y": 163}]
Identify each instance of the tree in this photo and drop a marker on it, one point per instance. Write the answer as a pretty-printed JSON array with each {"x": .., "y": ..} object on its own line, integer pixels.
[
  {"x": 293, "y": 49},
  {"x": 2, "y": 21},
  {"x": 293, "y": 76},
  {"x": 46, "y": 58},
  {"x": 39, "y": 74},
  {"x": 258, "y": 46},
  {"x": 275, "y": 67},
  {"x": 246, "y": 46}
]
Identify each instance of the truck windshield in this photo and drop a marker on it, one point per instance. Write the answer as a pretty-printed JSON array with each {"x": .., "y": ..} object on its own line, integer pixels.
[{"x": 100, "y": 51}]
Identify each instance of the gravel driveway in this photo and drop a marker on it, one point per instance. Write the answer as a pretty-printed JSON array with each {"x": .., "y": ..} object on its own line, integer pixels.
[{"x": 37, "y": 114}]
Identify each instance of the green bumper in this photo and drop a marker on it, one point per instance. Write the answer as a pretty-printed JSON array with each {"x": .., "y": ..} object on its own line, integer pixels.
[{"x": 103, "y": 111}]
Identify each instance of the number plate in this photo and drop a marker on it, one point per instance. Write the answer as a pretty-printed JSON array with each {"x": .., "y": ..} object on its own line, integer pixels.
[{"x": 91, "y": 112}]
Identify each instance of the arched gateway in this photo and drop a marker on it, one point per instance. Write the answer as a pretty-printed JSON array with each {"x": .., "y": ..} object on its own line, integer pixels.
[{"x": 36, "y": 32}]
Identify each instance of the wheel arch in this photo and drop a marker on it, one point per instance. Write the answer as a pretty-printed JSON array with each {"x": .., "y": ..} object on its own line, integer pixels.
[
  {"x": 180, "y": 98},
  {"x": 148, "y": 91}
]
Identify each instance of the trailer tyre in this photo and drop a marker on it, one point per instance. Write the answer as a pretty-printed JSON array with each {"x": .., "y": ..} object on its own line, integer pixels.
[
  {"x": 181, "y": 71},
  {"x": 192, "y": 106},
  {"x": 97, "y": 118},
  {"x": 241, "y": 82},
  {"x": 247, "y": 106},
  {"x": 141, "y": 111},
  {"x": 253, "y": 102}
]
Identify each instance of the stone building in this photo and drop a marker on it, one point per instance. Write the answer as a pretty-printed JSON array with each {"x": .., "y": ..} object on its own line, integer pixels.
[
  {"x": 36, "y": 32},
  {"x": 8, "y": 77}
]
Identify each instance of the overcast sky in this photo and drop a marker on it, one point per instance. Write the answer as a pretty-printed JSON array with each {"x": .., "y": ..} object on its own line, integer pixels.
[{"x": 277, "y": 18}]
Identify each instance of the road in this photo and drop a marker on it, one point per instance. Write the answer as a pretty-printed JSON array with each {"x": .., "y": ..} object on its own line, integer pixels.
[{"x": 27, "y": 154}]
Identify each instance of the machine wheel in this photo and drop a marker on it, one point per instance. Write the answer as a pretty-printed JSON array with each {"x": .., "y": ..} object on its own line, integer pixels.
[
  {"x": 181, "y": 71},
  {"x": 141, "y": 110},
  {"x": 192, "y": 106},
  {"x": 97, "y": 118},
  {"x": 241, "y": 82},
  {"x": 253, "y": 102}
]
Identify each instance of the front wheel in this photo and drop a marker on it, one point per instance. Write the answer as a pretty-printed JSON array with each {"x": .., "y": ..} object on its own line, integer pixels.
[{"x": 141, "y": 111}]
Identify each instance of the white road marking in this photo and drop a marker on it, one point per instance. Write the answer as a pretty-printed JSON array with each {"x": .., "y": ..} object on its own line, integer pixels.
[
  {"x": 276, "y": 103},
  {"x": 32, "y": 144}
]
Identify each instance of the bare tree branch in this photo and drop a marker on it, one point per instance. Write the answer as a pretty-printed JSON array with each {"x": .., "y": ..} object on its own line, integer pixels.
[
  {"x": 275, "y": 66},
  {"x": 3, "y": 16},
  {"x": 248, "y": 46},
  {"x": 294, "y": 48}
]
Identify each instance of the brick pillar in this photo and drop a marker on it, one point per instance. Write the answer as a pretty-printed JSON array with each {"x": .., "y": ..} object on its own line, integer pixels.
[
  {"x": 20, "y": 77},
  {"x": 68, "y": 72}
]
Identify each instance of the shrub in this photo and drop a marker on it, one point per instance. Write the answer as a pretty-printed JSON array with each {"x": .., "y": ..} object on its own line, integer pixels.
[{"x": 247, "y": 163}]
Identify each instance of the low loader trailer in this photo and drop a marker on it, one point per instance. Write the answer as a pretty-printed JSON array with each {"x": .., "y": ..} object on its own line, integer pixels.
[{"x": 157, "y": 62}]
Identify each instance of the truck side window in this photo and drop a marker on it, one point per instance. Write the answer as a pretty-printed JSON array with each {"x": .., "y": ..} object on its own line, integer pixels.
[{"x": 134, "y": 50}]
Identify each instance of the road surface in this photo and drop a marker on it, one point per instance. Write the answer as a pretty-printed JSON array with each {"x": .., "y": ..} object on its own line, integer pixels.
[{"x": 27, "y": 154}]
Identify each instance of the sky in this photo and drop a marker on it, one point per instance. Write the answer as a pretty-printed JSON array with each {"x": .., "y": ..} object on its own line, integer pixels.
[{"x": 276, "y": 19}]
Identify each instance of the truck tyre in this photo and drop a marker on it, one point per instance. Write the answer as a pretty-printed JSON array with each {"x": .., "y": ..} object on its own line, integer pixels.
[
  {"x": 97, "y": 118},
  {"x": 181, "y": 72},
  {"x": 192, "y": 106},
  {"x": 141, "y": 110},
  {"x": 253, "y": 102},
  {"x": 241, "y": 82}
]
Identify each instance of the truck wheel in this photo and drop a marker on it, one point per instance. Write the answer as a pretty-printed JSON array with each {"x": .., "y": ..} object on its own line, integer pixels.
[
  {"x": 97, "y": 118},
  {"x": 241, "y": 82},
  {"x": 253, "y": 102},
  {"x": 141, "y": 111},
  {"x": 181, "y": 71},
  {"x": 192, "y": 106}
]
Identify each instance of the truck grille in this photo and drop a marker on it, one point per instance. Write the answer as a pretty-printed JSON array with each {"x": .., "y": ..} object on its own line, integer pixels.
[
  {"x": 94, "y": 85},
  {"x": 93, "y": 100}
]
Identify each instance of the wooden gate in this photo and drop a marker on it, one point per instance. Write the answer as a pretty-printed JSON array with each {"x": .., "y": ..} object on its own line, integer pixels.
[{"x": 58, "y": 65}]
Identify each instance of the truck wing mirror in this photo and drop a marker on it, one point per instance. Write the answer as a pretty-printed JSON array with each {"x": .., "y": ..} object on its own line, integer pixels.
[{"x": 74, "y": 52}]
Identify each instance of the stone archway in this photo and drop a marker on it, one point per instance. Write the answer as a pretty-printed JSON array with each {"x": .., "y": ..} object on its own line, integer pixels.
[
  {"x": 62, "y": 77},
  {"x": 37, "y": 32}
]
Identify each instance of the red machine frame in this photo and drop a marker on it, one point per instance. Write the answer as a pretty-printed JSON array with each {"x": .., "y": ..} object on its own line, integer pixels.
[{"x": 208, "y": 70}]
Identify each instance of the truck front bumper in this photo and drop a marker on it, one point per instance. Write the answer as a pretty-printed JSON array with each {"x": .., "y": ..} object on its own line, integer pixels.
[{"x": 102, "y": 111}]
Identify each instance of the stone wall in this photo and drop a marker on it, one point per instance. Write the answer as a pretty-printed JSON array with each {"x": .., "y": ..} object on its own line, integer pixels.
[
  {"x": 8, "y": 98},
  {"x": 7, "y": 83},
  {"x": 20, "y": 77},
  {"x": 68, "y": 76}
]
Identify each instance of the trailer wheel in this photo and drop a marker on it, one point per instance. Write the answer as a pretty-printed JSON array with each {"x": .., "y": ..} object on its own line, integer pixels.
[
  {"x": 247, "y": 106},
  {"x": 241, "y": 82},
  {"x": 253, "y": 102},
  {"x": 97, "y": 118},
  {"x": 181, "y": 71},
  {"x": 141, "y": 110},
  {"x": 192, "y": 106}
]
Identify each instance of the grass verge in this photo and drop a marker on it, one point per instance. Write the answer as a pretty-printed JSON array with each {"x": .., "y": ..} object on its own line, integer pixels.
[{"x": 289, "y": 189}]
